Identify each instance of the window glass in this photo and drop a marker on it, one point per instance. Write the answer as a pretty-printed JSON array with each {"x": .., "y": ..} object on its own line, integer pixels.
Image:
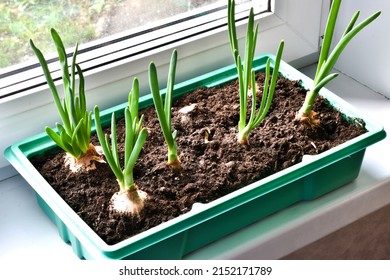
[{"x": 81, "y": 21}]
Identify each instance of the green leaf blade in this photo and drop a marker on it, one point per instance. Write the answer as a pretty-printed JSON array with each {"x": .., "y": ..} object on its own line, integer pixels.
[
  {"x": 329, "y": 30},
  {"x": 157, "y": 99},
  {"x": 333, "y": 57}
]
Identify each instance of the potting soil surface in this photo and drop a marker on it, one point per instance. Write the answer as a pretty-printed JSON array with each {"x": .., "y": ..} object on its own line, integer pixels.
[{"x": 213, "y": 162}]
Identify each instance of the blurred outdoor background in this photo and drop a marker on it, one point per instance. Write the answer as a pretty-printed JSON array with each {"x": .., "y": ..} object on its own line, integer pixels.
[{"x": 75, "y": 20}]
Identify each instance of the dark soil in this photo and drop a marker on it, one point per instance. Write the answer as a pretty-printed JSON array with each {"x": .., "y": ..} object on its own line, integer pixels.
[{"x": 211, "y": 168}]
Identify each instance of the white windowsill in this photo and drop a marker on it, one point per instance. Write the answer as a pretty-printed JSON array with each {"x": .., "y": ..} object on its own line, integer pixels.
[{"x": 27, "y": 233}]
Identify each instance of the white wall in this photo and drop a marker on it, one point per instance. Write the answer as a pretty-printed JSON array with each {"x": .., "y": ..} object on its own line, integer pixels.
[{"x": 367, "y": 57}]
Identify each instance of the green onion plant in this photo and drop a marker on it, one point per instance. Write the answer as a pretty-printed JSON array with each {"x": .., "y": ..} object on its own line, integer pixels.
[
  {"x": 164, "y": 109},
  {"x": 73, "y": 134},
  {"x": 129, "y": 199},
  {"x": 246, "y": 75},
  {"x": 328, "y": 59}
]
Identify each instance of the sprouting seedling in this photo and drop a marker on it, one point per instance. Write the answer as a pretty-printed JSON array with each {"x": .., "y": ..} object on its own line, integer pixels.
[
  {"x": 327, "y": 61},
  {"x": 74, "y": 133},
  {"x": 129, "y": 199},
  {"x": 246, "y": 75},
  {"x": 164, "y": 109}
]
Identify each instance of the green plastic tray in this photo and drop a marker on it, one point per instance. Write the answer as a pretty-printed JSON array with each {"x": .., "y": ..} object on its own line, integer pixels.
[{"x": 205, "y": 223}]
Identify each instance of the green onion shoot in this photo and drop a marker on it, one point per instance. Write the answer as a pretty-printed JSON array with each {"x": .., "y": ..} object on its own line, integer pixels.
[
  {"x": 164, "y": 109},
  {"x": 246, "y": 75},
  {"x": 327, "y": 61},
  {"x": 73, "y": 135},
  {"x": 129, "y": 199}
]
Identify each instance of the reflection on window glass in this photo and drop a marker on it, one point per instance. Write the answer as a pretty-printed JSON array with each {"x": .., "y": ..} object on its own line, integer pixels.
[{"x": 75, "y": 20}]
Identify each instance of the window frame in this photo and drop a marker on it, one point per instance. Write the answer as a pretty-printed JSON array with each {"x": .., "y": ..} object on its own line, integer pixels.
[
  {"x": 122, "y": 47},
  {"x": 21, "y": 115}
]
